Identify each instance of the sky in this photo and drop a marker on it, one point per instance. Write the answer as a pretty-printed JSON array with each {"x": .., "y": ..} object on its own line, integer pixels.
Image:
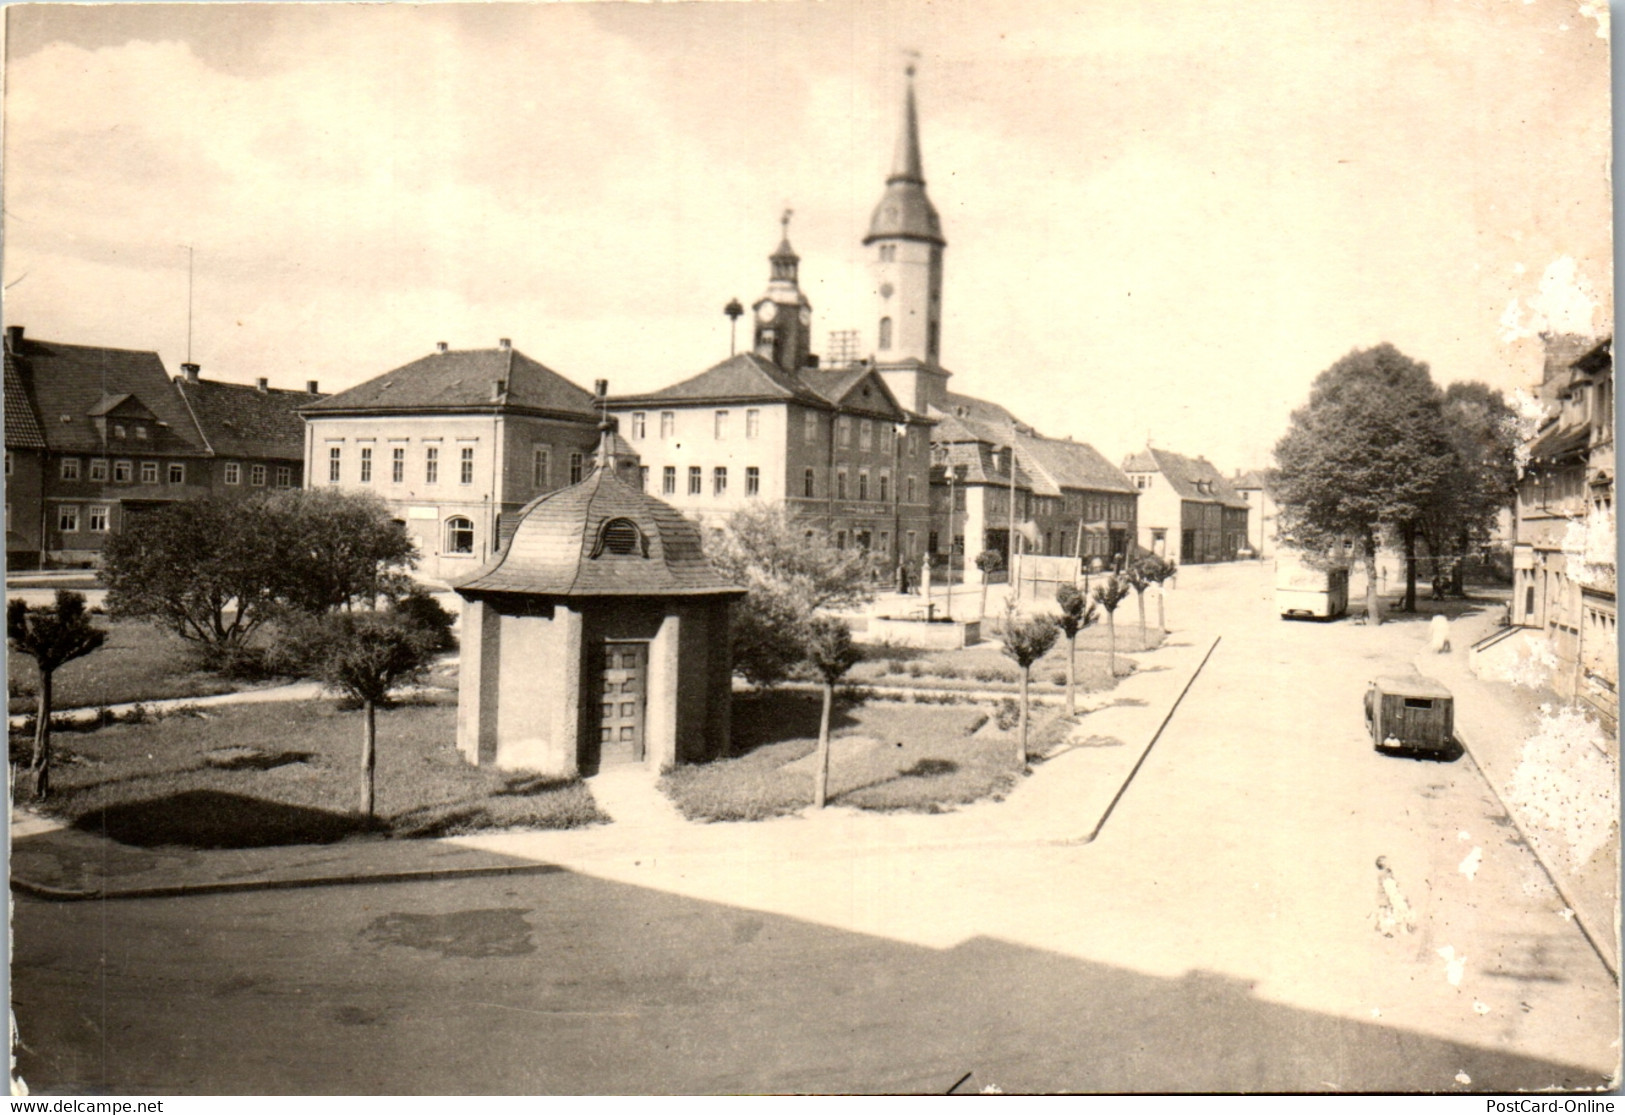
[{"x": 1163, "y": 219}]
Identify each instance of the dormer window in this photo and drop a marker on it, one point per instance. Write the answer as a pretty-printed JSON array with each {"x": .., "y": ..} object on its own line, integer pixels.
[{"x": 621, "y": 536}]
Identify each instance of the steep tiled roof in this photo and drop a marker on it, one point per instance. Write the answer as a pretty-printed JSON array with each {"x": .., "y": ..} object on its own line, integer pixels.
[
  {"x": 22, "y": 424},
  {"x": 1184, "y": 475},
  {"x": 979, "y": 410},
  {"x": 739, "y": 378},
  {"x": 463, "y": 380},
  {"x": 1071, "y": 465},
  {"x": 859, "y": 389},
  {"x": 68, "y": 382},
  {"x": 560, "y": 548},
  {"x": 242, "y": 421}
]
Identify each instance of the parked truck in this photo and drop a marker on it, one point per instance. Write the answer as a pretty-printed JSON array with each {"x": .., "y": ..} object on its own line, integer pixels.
[{"x": 1310, "y": 589}]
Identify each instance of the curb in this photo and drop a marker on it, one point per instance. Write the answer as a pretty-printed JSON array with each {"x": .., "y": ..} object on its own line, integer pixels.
[
  {"x": 180, "y": 890},
  {"x": 1090, "y": 836}
]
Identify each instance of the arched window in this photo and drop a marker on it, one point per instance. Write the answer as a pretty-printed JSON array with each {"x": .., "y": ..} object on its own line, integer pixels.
[
  {"x": 885, "y": 332},
  {"x": 621, "y": 536},
  {"x": 459, "y": 535}
]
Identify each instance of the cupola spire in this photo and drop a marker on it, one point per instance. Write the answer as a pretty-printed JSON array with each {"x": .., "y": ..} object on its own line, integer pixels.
[{"x": 907, "y": 166}]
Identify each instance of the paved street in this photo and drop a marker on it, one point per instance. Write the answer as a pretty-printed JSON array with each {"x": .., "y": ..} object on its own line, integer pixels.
[{"x": 1224, "y": 932}]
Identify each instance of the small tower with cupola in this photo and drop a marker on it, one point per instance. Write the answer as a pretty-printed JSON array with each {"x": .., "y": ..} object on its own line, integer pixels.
[
  {"x": 905, "y": 246},
  {"x": 783, "y": 314}
]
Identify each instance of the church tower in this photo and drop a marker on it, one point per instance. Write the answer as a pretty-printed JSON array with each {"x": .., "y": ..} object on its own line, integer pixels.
[
  {"x": 905, "y": 247},
  {"x": 783, "y": 314}
]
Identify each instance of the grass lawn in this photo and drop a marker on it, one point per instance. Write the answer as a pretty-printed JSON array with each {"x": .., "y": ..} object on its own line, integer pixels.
[
  {"x": 883, "y": 756},
  {"x": 289, "y": 773},
  {"x": 985, "y": 666},
  {"x": 138, "y": 662}
]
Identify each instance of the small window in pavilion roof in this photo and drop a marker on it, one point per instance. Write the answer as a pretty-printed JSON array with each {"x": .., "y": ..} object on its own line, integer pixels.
[{"x": 621, "y": 536}]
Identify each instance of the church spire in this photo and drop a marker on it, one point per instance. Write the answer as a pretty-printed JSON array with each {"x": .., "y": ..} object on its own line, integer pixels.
[{"x": 906, "y": 164}]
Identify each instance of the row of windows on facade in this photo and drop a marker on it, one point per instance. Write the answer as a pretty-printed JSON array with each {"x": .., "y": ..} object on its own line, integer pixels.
[
  {"x": 67, "y": 519},
  {"x": 753, "y": 483},
  {"x": 844, "y": 426},
  {"x": 541, "y": 465},
  {"x": 125, "y": 472}
]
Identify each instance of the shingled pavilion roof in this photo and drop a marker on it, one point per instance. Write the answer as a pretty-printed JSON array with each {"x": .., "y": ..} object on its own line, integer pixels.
[{"x": 601, "y": 537}]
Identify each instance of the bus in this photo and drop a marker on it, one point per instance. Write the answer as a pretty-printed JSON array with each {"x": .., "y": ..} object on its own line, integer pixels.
[{"x": 1306, "y": 592}]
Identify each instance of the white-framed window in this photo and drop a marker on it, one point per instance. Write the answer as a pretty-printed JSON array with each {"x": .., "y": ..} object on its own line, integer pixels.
[
  {"x": 643, "y": 478},
  {"x": 98, "y": 471},
  {"x": 639, "y": 421},
  {"x": 668, "y": 480},
  {"x": 67, "y": 519},
  {"x": 335, "y": 463},
  {"x": 721, "y": 424},
  {"x": 885, "y": 333},
  {"x": 840, "y": 483},
  {"x": 866, "y": 435},
  {"x": 431, "y": 465},
  {"x": 397, "y": 465},
  {"x": 909, "y": 485},
  {"x": 459, "y": 535},
  {"x": 809, "y": 427},
  {"x": 888, "y": 253},
  {"x": 913, "y": 541},
  {"x": 284, "y": 476},
  {"x": 465, "y": 465},
  {"x": 96, "y": 520},
  {"x": 256, "y": 475},
  {"x": 696, "y": 480},
  {"x": 576, "y": 467},
  {"x": 863, "y": 483},
  {"x": 541, "y": 466},
  {"x": 719, "y": 481},
  {"x": 70, "y": 468},
  {"x": 885, "y": 486},
  {"x": 753, "y": 423},
  {"x": 668, "y": 424},
  {"x": 366, "y": 464},
  {"x": 234, "y": 472},
  {"x": 809, "y": 483},
  {"x": 119, "y": 430},
  {"x": 141, "y": 433},
  {"x": 149, "y": 472},
  {"x": 177, "y": 472},
  {"x": 753, "y": 481},
  {"x": 123, "y": 472},
  {"x": 843, "y": 432}
]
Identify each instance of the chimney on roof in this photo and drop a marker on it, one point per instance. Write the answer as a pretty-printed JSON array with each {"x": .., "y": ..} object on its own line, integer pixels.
[
  {"x": 310, "y": 387},
  {"x": 14, "y": 337},
  {"x": 440, "y": 346},
  {"x": 505, "y": 344},
  {"x": 262, "y": 383},
  {"x": 192, "y": 372},
  {"x": 812, "y": 360}
]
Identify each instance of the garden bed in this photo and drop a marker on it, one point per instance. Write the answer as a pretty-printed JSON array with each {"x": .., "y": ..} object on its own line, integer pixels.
[
  {"x": 989, "y": 668},
  {"x": 883, "y": 756},
  {"x": 256, "y": 775}
]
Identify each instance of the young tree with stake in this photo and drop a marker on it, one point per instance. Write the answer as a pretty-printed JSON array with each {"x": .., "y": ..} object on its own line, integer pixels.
[
  {"x": 1158, "y": 570},
  {"x": 52, "y": 637},
  {"x": 1077, "y": 612},
  {"x": 1136, "y": 579},
  {"x": 831, "y": 653},
  {"x": 1111, "y": 592},
  {"x": 1026, "y": 639},
  {"x": 989, "y": 562}
]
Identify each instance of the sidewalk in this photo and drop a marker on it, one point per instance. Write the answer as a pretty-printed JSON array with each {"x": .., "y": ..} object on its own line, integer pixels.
[
  {"x": 1494, "y": 720},
  {"x": 1066, "y": 799}
]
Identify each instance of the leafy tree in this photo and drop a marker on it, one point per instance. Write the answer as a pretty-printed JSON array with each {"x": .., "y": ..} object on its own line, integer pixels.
[
  {"x": 340, "y": 548},
  {"x": 1135, "y": 578},
  {"x": 989, "y": 562},
  {"x": 1077, "y": 612},
  {"x": 361, "y": 655},
  {"x": 1157, "y": 570},
  {"x": 1480, "y": 482},
  {"x": 215, "y": 571},
  {"x": 1110, "y": 592},
  {"x": 789, "y": 571},
  {"x": 1367, "y": 453},
  {"x": 831, "y": 653},
  {"x": 51, "y": 636},
  {"x": 1026, "y": 639}
]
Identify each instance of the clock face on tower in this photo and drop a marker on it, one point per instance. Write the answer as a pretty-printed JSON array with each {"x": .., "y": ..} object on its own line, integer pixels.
[{"x": 766, "y": 312}]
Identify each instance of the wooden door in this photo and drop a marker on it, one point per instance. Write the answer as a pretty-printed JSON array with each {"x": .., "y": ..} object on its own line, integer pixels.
[{"x": 620, "y": 682}]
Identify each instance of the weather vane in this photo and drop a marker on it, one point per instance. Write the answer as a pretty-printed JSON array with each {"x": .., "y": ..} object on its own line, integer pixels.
[{"x": 785, "y": 222}]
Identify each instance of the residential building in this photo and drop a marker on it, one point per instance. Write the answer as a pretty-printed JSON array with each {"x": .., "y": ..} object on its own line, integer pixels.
[
  {"x": 96, "y": 435},
  {"x": 456, "y": 443},
  {"x": 254, "y": 435},
  {"x": 1188, "y": 510},
  {"x": 1563, "y": 553},
  {"x": 1262, "y": 513},
  {"x": 769, "y": 426}
]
